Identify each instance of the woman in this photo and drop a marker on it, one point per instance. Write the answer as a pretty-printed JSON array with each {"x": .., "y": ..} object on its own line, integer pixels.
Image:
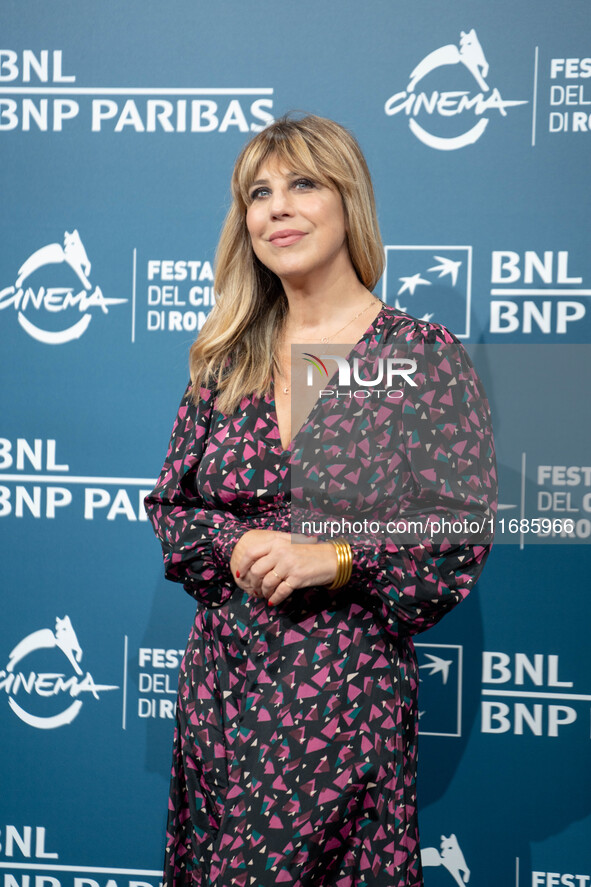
[{"x": 295, "y": 744}]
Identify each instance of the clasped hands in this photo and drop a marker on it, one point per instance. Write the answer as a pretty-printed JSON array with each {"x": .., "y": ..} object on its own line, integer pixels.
[{"x": 271, "y": 565}]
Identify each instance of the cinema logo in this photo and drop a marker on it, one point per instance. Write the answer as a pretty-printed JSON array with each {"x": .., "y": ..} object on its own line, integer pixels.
[
  {"x": 449, "y": 855},
  {"x": 28, "y": 688},
  {"x": 479, "y": 104},
  {"x": 40, "y": 306}
]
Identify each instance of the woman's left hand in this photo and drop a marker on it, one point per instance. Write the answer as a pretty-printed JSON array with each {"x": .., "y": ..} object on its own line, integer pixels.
[{"x": 271, "y": 565}]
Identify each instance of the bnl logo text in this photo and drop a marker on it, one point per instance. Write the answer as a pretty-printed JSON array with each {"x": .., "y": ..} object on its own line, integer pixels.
[
  {"x": 528, "y": 695},
  {"x": 539, "y": 292}
]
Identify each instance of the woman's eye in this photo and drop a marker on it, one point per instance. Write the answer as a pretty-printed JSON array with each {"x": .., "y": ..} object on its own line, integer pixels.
[
  {"x": 304, "y": 183},
  {"x": 264, "y": 191},
  {"x": 259, "y": 192}
]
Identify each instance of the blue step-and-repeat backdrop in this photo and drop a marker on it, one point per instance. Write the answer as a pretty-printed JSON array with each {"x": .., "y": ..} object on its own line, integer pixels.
[{"x": 119, "y": 126}]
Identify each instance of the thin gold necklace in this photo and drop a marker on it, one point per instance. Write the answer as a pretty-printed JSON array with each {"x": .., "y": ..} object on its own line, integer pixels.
[{"x": 325, "y": 339}]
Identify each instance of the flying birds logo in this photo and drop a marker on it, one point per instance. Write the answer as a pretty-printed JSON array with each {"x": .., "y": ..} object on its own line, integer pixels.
[
  {"x": 444, "y": 105},
  {"x": 436, "y": 665},
  {"x": 52, "y": 300},
  {"x": 431, "y": 283},
  {"x": 446, "y": 267},
  {"x": 440, "y": 670}
]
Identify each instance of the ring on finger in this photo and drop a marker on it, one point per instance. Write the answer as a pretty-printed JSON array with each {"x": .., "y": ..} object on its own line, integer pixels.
[{"x": 281, "y": 579}]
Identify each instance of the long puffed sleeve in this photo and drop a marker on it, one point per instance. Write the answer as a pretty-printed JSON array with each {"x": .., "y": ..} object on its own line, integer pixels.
[
  {"x": 435, "y": 539},
  {"x": 415, "y": 493},
  {"x": 197, "y": 540}
]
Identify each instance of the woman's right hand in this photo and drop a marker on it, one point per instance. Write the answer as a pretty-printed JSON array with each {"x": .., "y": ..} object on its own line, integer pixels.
[{"x": 270, "y": 564}]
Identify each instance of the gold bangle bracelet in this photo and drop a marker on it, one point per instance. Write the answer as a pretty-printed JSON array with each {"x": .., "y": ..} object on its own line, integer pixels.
[
  {"x": 344, "y": 563},
  {"x": 349, "y": 564},
  {"x": 341, "y": 561},
  {"x": 338, "y": 552}
]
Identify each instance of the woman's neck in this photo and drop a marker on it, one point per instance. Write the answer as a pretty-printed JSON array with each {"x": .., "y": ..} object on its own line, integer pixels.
[{"x": 315, "y": 312}]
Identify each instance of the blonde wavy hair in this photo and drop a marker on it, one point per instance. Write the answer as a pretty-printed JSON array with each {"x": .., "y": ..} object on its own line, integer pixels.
[{"x": 236, "y": 349}]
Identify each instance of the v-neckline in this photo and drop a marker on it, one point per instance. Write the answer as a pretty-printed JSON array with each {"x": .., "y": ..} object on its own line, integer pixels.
[{"x": 273, "y": 406}]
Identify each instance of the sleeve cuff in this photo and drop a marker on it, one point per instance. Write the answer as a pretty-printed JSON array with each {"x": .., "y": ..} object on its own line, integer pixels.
[
  {"x": 367, "y": 558},
  {"x": 224, "y": 541}
]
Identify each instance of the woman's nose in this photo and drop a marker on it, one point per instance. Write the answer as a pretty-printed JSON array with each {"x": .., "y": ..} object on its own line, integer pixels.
[{"x": 281, "y": 204}]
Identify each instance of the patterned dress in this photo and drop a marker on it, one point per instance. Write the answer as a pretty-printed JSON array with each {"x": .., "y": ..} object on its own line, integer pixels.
[{"x": 296, "y": 737}]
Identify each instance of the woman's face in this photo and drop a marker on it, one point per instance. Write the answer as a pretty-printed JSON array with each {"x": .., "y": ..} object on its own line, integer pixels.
[{"x": 296, "y": 225}]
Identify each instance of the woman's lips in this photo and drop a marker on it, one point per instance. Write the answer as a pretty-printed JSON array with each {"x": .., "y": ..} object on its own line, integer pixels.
[{"x": 286, "y": 238}]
